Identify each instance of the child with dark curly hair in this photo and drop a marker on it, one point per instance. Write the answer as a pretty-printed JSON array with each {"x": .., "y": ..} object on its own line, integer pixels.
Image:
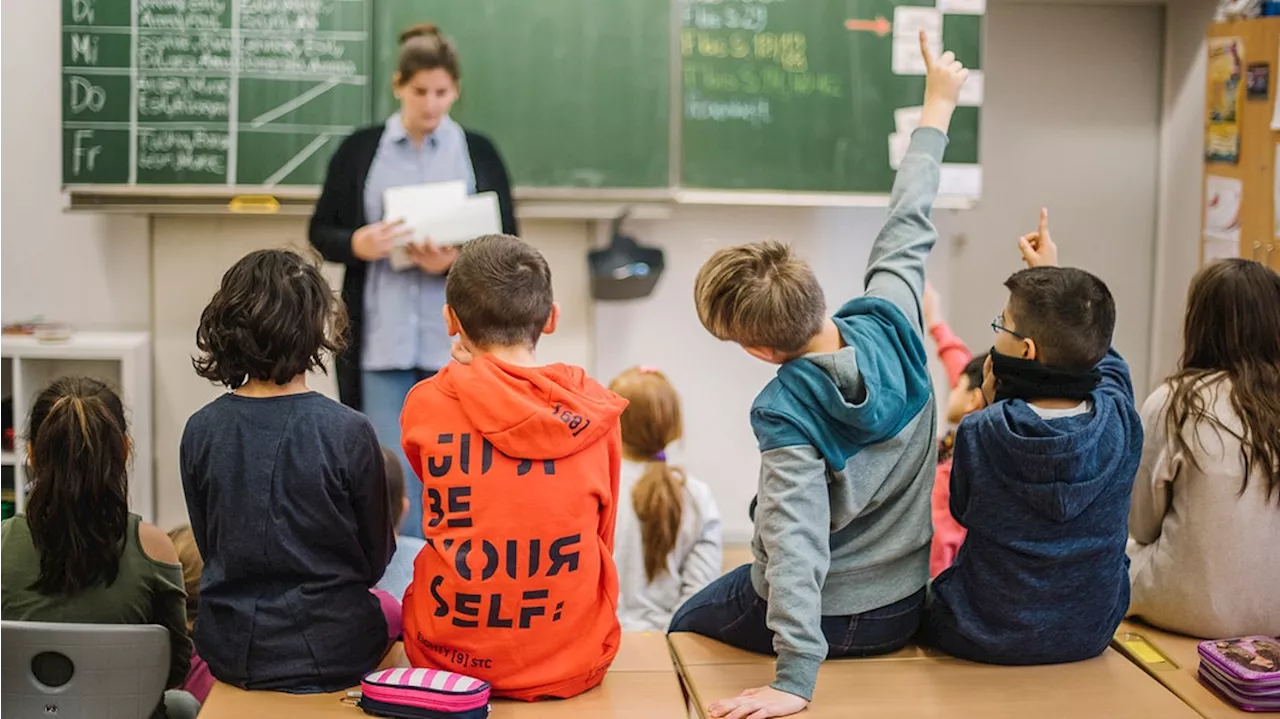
[{"x": 285, "y": 490}]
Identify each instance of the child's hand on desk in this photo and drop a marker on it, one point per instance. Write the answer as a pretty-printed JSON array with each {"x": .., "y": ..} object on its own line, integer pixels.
[
  {"x": 943, "y": 78},
  {"x": 431, "y": 258},
  {"x": 1038, "y": 249},
  {"x": 760, "y": 703}
]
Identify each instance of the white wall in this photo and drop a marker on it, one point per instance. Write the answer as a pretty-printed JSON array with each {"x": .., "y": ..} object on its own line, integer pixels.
[
  {"x": 1181, "y": 169},
  {"x": 96, "y": 270}
]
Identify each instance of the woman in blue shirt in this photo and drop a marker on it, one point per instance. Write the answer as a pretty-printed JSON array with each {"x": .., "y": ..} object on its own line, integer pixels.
[{"x": 397, "y": 332}]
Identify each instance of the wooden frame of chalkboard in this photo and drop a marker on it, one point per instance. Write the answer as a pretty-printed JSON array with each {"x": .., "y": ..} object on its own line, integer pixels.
[{"x": 531, "y": 202}]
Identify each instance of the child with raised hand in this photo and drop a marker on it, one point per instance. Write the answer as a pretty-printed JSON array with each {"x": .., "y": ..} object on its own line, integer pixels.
[
  {"x": 1205, "y": 520},
  {"x": 285, "y": 490},
  {"x": 847, "y": 439},
  {"x": 964, "y": 373},
  {"x": 77, "y": 554},
  {"x": 520, "y": 462},
  {"x": 668, "y": 544},
  {"x": 1041, "y": 478}
]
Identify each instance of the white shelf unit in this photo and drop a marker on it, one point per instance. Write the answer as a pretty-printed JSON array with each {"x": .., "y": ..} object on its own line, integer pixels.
[{"x": 121, "y": 359}]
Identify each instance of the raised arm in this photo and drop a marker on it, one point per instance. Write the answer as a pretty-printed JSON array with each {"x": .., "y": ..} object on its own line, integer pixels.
[
  {"x": 896, "y": 268},
  {"x": 952, "y": 351}
]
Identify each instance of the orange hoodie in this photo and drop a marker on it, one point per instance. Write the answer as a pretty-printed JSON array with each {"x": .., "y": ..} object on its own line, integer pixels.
[{"x": 517, "y": 584}]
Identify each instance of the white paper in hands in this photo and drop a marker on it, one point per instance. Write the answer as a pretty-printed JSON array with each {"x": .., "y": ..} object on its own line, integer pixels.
[
  {"x": 440, "y": 213},
  {"x": 414, "y": 203}
]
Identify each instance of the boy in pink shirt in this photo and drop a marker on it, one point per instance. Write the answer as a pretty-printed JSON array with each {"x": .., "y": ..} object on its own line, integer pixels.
[{"x": 964, "y": 374}]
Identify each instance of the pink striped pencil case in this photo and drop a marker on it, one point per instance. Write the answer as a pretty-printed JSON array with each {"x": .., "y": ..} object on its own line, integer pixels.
[{"x": 408, "y": 693}]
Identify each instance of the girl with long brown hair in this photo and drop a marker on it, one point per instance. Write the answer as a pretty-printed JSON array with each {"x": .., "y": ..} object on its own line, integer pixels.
[
  {"x": 77, "y": 554},
  {"x": 1205, "y": 519},
  {"x": 668, "y": 545}
]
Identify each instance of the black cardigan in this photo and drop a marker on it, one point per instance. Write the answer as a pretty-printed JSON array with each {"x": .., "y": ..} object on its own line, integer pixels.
[{"x": 340, "y": 212}]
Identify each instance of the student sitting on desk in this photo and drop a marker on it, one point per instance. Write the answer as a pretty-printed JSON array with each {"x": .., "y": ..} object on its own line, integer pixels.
[
  {"x": 1205, "y": 519},
  {"x": 847, "y": 440},
  {"x": 285, "y": 490},
  {"x": 520, "y": 460},
  {"x": 1041, "y": 478},
  {"x": 76, "y": 554}
]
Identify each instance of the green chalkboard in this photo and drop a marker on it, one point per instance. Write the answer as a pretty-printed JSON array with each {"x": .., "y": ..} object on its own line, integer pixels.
[
  {"x": 210, "y": 92},
  {"x": 576, "y": 93},
  {"x": 753, "y": 95},
  {"x": 793, "y": 96}
]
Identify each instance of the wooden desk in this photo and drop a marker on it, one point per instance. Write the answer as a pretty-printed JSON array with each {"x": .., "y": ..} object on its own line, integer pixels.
[
  {"x": 696, "y": 650},
  {"x": 1175, "y": 667},
  {"x": 642, "y": 683},
  {"x": 932, "y": 686},
  {"x": 643, "y": 652}
]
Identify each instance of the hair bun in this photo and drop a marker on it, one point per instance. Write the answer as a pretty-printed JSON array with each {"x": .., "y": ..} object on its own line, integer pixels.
[{"x": 420, "y": 30}]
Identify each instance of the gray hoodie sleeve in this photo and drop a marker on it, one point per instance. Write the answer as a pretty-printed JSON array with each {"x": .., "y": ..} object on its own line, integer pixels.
[
  {"x": 793, "y": 525},
  {"x": 896, "y": 268}
]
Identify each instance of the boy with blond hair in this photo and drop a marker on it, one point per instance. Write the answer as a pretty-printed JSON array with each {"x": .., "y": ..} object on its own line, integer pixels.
[{"x": 846, "y": 435}]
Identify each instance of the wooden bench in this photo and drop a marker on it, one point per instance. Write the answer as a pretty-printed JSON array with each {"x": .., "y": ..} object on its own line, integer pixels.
[
  {"x": 641, "y": 683},
  {"x": 1173, "y": 660},
  {"x": 917, "y": 682}
]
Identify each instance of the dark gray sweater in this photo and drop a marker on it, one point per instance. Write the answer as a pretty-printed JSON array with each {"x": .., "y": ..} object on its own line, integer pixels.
[{"x": 288, "y": 504}]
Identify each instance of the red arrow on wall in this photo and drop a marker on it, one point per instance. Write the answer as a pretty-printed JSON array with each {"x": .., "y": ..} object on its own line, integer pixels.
[{"x": 879, "y": 26}]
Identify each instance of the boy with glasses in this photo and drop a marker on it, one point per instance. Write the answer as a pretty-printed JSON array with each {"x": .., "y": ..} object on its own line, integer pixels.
[{"x": 1041, "y": 478}]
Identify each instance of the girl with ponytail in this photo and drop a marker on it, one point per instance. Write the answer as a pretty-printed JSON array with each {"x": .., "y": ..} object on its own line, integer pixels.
[
  {"x": 668, "y": 544},
  {"x": 78, "y": 554}
]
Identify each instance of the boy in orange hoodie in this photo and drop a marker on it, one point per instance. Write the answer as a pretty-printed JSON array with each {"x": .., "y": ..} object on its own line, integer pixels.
[{"x": 520, "y": 463}]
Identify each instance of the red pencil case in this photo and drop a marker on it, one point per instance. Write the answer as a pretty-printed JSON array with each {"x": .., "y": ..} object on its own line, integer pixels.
[{"x": 408, "y": 693}]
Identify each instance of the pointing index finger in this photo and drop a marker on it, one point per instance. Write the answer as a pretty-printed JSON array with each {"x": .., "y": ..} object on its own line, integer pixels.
[
  {"x": 924, "y": 50},
  {"x": 1044, "y": 221}
]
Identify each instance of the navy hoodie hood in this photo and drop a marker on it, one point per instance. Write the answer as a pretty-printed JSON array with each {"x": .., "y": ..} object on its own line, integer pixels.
[{"x": 1065, "y": 478}]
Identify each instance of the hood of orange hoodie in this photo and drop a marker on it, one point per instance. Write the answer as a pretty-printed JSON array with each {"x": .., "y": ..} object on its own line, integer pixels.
[{"x": 544, "y": 412}]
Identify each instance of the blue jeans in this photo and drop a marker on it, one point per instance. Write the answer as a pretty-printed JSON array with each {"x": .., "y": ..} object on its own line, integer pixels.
[
  {"x": 730, "y": 611},
  {"x": 383, "y": 398}
]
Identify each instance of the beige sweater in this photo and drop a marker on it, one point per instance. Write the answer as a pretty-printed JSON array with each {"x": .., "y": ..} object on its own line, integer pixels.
[{"x": 1205, "y": 560}]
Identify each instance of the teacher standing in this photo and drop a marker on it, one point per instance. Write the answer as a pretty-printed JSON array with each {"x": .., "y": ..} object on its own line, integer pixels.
[{"x": 398, "y": 335}]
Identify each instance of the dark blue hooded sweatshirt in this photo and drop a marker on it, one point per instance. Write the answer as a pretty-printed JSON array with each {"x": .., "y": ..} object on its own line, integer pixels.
[{"x": 1042, "y": 576}]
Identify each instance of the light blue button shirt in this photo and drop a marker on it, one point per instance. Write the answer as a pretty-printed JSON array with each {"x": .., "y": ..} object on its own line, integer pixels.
[{"x": 403, "y": 327}]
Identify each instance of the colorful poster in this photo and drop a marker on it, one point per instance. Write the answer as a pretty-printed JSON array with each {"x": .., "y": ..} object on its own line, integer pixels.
[{"x": 1226, "y": 59}]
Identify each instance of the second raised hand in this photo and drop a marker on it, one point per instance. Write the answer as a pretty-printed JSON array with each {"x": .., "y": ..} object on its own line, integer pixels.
[{"x": 1038, "y": 248}]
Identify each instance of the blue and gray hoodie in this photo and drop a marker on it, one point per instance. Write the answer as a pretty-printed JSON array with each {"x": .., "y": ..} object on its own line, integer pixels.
[
  {"x": 842, "y": 523},
  {"x": 1042, "y": 576}
]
